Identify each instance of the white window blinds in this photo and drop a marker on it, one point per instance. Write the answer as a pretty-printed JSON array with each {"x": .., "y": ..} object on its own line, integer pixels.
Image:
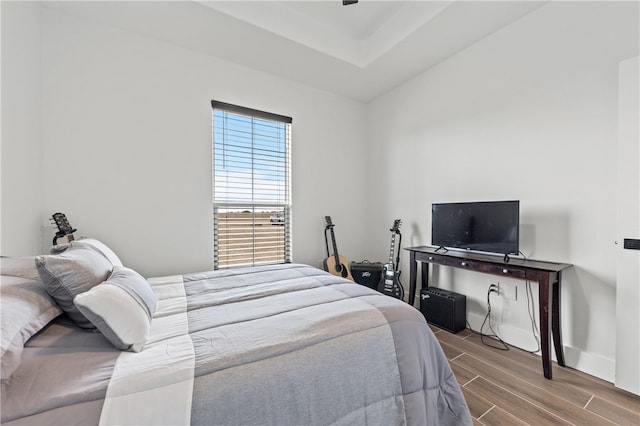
[{"x": 251, "y": 186}]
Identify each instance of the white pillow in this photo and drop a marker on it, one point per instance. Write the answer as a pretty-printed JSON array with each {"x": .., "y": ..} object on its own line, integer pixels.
[{"x": 121, "y": 308}]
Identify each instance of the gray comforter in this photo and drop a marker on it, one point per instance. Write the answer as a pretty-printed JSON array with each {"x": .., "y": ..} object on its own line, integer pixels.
[{"x": 277, "y": 345}]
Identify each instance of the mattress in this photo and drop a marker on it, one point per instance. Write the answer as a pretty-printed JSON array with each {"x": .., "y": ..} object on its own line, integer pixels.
[{"x": 272, "y": 345}]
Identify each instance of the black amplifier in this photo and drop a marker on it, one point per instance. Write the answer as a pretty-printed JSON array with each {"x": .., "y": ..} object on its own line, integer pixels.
[
  {"x": 367, "y": 273},
  {"x": 444, "y": 308}
]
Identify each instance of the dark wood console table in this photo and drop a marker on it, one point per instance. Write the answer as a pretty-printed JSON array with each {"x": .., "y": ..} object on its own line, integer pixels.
[{"x": 546, "y": 274}]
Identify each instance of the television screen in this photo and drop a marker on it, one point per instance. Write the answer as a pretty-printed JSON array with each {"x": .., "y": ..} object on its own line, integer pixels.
[{"x": 489, "y": 226}]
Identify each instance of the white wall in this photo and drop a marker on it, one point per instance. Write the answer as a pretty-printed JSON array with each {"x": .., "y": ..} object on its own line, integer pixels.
[
  {"x": 127, "y": 145},
  {"x": 528, "y": 113},
  {"x": 21, "y": 149}
]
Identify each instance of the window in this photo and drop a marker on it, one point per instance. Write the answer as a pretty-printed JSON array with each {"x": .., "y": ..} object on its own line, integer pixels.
[{"x": 251, "y": 186}]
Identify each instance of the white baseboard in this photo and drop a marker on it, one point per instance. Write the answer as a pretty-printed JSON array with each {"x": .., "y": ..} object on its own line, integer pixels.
[{"x": 590, "y": 363}]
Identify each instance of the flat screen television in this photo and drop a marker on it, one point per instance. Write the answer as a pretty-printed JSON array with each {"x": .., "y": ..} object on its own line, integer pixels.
[{"x": 487, "y": 226}]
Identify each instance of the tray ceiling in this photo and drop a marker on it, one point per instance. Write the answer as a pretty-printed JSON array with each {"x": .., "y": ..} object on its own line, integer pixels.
[{"x": 359, "y": 51}]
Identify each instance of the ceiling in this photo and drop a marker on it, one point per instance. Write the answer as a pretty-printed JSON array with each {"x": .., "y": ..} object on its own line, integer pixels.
[{"x": 359, "y": 51}]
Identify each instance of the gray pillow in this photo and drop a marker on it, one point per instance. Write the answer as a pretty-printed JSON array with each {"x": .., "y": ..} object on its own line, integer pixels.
[
  {"x": 102, "y": 248},
  {"x": 76, "y": 270},
  {"x": 25, "y": 309},
  {"x": 121, "y": 308},
  {"x": 19, "y": 267}
]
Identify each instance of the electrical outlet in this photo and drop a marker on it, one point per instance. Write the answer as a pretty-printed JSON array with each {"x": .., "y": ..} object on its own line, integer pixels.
[
  {"x": 507, "y": 290},
  {"x": 496, "y": 285}
]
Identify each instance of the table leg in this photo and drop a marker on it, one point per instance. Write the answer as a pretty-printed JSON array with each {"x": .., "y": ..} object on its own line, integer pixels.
[
  {"x": 544, "y": 296},
  {"x": 555, "y": 320},
  {"x": 425, "y": 275},
  {"x": 413, "y": 271}
]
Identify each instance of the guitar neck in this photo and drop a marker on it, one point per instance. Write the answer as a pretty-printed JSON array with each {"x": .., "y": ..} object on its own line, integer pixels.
[
  {"x": 335, "y": 247},
  {"x": 392, "y": 251}
]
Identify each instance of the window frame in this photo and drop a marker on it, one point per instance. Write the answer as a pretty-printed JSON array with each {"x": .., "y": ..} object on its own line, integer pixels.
[{"x": 257, "y": 209}]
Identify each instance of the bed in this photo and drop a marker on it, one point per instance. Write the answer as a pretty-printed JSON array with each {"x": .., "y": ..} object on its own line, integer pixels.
[{"x": 93, "y": 342}]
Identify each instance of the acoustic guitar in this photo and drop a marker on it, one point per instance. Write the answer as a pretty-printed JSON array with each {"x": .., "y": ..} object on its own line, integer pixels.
[
  {"x": 64, "y": 229},
  {"x": 391, "y": 285},
  {"x": 336, "y": 264}
]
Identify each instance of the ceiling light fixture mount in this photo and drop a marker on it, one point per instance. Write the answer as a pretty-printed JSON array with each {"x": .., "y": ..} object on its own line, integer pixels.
[{"x": 348, "y": 2}]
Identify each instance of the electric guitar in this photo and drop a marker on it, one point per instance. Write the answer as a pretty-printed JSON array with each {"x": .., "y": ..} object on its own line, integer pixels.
[
  {"x": 391, "y": 285},
  {"x": 64, "y": 229},
  {"x": 336, "y": 264}
]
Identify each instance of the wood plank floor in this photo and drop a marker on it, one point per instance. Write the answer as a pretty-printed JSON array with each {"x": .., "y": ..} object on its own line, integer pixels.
[{"x": 508, "y": 388}]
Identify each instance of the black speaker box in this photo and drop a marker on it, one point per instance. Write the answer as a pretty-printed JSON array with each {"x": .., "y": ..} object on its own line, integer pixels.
[
  {"x": 367, "y": 273},
  {"x": 444, "y": 308}
]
